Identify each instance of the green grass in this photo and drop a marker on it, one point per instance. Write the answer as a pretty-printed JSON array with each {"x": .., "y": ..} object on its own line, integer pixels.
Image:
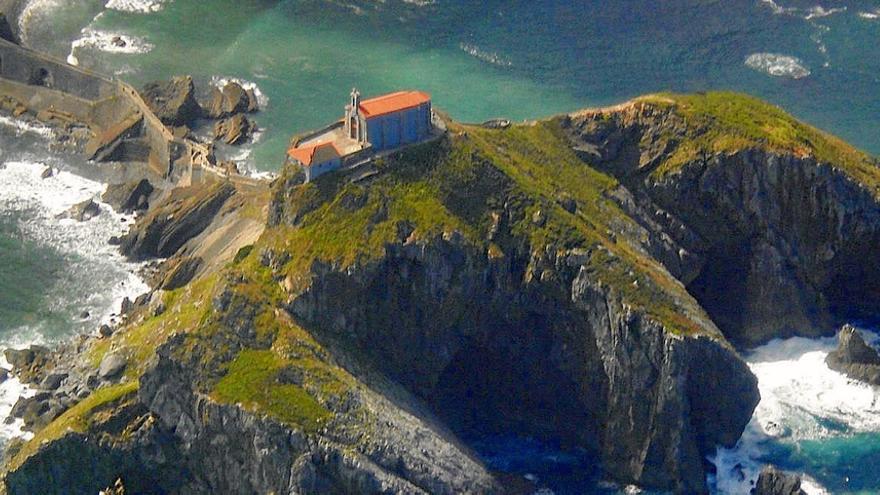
[
  {"x": 727, "y": 122},
  {"x": 76, "y": 419},
  {"x": 252, "y": 380}
]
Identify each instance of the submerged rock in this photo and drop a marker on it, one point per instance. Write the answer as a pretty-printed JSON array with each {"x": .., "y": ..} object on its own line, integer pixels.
[
  {"x": 174, "y": 101},
  {"x": 772, "y": 481},
  {"x": 854, "y": 358},
  {"x": 83, "y": 212}
]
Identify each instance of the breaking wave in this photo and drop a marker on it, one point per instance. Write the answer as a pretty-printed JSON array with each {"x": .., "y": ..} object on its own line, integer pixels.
[
  {"x": 778, "y": 65},
  {"x": 801, "y": 399},
  {"x": 105, "y": 41},
  {"x": 136, "y": 6},
  {"x": 488, "y": 57}
]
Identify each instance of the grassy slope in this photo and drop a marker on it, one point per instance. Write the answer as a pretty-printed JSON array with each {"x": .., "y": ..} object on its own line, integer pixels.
[
  {"x": 726, "y": 122},
  {"x": 454, "y": 185}
]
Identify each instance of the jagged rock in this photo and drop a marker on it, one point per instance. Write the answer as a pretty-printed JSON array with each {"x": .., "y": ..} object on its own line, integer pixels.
[
  {"x": 128, "y": 197},
  {"x": 84, "y": 315},
  {"x": 47, "y": 172},
  {"x": 174, "y": 101},
  {"x": 4, "y": 375},
  {"x": 253, "y": 101},
  {"x": 105, "y": 331},
  {"x": 772, "y": 481},
  {"x": 233, "y": 130},
  {"x": 126, "y": 306},
  {"x": 52, "y": 381},
  {"x": 231, "y": 100},
  {"x": 118, "y": 488},
  {"x": 168, "y": 227},
  {"x": 181, "y": 273},
  {"x": 84, "y": 211},
  {"x": 854, "y": 358},
  {"x": 111, "y": 366},
  {"x": 19, "y": 358}
]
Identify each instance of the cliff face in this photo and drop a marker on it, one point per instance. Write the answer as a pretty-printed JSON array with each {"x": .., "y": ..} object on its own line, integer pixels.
[
  {"x": 560, "y": 280},
  {"x": 785, "y": 227}
]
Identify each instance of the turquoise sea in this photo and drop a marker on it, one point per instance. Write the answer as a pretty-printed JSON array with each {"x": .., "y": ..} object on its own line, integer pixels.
[{"x": 517, "y": 59}]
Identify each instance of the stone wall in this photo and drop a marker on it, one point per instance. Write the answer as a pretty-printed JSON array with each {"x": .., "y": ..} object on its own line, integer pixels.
[
  {"x": 28, "y": 67},
  {"x": 42, "y": 83}
]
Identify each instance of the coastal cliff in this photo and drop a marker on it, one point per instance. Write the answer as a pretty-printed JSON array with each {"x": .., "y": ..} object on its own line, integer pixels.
[{"x": 577, "y": 280}]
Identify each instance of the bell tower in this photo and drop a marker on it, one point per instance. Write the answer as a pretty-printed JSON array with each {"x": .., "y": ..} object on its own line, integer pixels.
[{"x": 353, "y": 128}]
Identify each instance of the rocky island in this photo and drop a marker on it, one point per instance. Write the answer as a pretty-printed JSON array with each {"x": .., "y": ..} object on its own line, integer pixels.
[{"x": 586, "y": 279}]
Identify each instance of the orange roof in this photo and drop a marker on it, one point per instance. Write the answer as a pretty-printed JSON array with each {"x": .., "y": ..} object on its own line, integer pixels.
[
  {"x": 393, "y": 102},
  {"x": 314, "y": 153}
]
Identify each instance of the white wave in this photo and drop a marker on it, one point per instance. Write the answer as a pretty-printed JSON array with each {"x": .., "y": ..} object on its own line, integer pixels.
[
  {"x": 10, "y": 391},
  {"x": 136, "y": 6},
  {"x": 106, "y": 41},
  {"x": 489, "y": 57},
  {"x": 34, "y": 12},
  {"x": 44, "y": 200},
  {"x": 873, "y": 15},
  {"x": 220, "y": 81},
  {"x": 818, "y": 12},
  {"x": 99, "y": 276},
  {"x": 420, "y": 3},
  {"x": 810, "y": 13},
  {"x": 800, "y": 397},
  {"x": 21, "y": 127},
  {"x": 777, "y": 65}
]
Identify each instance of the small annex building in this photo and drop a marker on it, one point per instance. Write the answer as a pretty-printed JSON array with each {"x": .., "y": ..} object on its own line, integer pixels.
[{"x": 316, "y": 159}]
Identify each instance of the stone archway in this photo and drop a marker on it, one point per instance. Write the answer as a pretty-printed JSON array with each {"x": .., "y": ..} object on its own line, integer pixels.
[{"x": 42, "y": 77}]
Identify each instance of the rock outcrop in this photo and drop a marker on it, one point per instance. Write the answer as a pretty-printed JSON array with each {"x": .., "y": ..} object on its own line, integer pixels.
[
  {"x": 774, "y": 235},
  {"x": 772, "y": 481},
  {"x": 854, "y": 358},
  {"x": 83, "y": 211},
  {"x": 166, "y": 228},
  {"x": 173, "y": 101},
  {"x": 233, "y": 130},
  {"x": 130, "y": 196},
  {"x": 231, "y": 100},
  {"x": 491, "y": 282}
]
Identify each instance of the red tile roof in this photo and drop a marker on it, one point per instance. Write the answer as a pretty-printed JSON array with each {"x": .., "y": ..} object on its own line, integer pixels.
[
  {"x": 393, "y": 102},
  {"x": 314, "y": 153}
]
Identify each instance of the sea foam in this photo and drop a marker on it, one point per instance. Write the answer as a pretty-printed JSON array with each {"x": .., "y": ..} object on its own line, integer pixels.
[
  {"x": 801, "y": 399},
  {"x": 777, "y": 65},
  {"x": 105, "y": 41},
  {"x": 136, "y": 6}
]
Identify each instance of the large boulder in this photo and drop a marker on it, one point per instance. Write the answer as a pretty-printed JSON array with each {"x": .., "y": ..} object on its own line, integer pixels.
[
  {"x": 174, "y": 101},
  {"x": 231, "y": 100},
  {"x": 234, "y": 130},
  {"x": 83, "y": 211},
  {"x": 130, "y": 196},
  {"x": 855, "y": 358},
  {"x": 772, "y": 481}
]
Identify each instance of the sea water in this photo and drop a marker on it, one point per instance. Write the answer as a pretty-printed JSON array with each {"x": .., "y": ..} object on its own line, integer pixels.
[
  {"x": 515, "y": 59},
  {"x": 58, "y": 277}
]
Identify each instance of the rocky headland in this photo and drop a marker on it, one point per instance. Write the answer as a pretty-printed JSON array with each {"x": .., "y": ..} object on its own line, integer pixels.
[{"x": 584, "y": 280}]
